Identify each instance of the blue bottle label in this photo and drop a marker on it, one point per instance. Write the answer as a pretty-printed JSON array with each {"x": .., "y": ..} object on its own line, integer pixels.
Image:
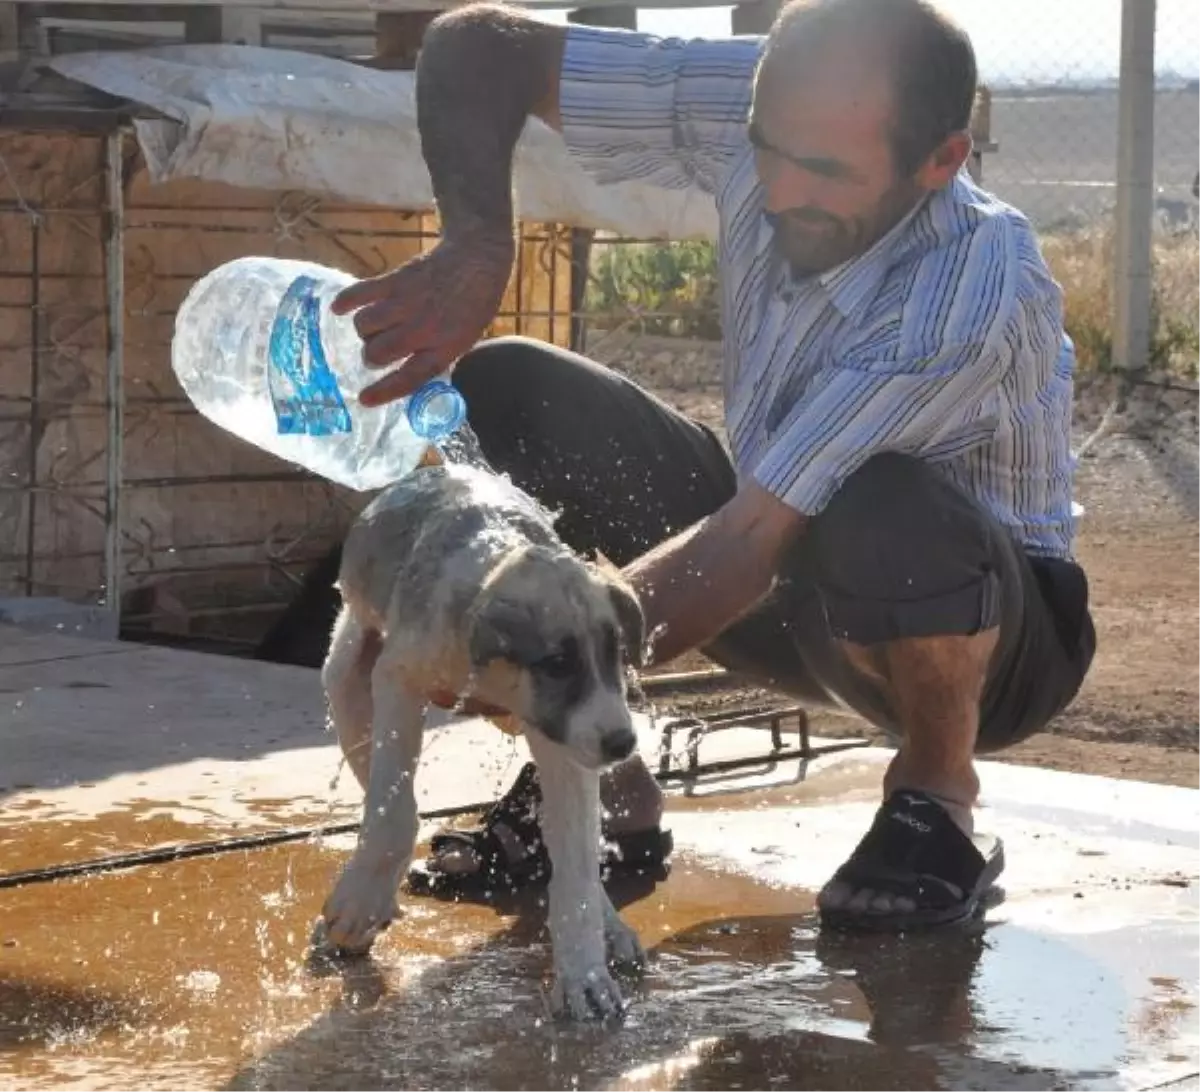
[{"x": 304, "y": 390}]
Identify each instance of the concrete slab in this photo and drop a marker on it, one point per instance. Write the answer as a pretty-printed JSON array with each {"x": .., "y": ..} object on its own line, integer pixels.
[
  {"x": 50, "y": 614},
  {"x": 193, "y": 974}
]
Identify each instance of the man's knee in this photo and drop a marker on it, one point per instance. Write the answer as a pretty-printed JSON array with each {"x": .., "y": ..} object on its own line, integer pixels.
[
  {"x": 900, "y": 552},
  {"x": 503, "y": 356},
  {"x": 501, "y": 369}
]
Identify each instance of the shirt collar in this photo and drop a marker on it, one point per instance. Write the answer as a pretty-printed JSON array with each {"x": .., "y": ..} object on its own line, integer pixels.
[{"x": 854, "y": 283}]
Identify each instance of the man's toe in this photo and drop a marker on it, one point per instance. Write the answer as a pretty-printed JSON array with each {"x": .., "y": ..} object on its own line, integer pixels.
[
  {"x": 834, "y": 895},
  {"x": 860, "y": 900},
  {"x": 883, "y": 904}
]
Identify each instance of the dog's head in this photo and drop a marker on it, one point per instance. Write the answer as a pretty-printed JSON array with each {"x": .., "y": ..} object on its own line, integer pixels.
[{"x": 551, "y": 640}]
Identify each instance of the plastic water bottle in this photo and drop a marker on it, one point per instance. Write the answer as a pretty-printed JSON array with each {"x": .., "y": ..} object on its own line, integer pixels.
[{"x": 258, "y": 351}]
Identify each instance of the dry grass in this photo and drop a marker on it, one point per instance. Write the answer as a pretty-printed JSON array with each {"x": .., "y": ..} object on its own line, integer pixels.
[
  {"x": 671, "y": 289},
  {"x": 1082, "y": 262}
]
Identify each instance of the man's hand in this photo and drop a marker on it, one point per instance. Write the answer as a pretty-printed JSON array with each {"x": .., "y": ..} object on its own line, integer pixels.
[
  {"x": 482, "y": 70},
  {"x": 428, "y": 312}
]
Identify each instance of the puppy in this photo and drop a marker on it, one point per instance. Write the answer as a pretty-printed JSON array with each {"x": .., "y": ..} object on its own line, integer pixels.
[{"x": 454, "y": 585}]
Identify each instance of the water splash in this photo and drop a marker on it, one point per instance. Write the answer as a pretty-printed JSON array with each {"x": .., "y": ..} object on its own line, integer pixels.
[
  {"x": 462, "y": 448},
  {"x": 465, "y": 694}
]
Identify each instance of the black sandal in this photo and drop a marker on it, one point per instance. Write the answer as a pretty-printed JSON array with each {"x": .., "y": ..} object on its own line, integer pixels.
[
  {"x": 516, "y": 813},
  {"x": 914, "y": 850}
]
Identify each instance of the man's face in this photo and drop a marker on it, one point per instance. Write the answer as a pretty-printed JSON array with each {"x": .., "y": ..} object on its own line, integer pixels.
[{"x": 824, "y": 157}]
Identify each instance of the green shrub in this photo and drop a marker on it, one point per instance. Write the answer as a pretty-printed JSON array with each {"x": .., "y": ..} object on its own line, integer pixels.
[{"x": 657, "y": 288}]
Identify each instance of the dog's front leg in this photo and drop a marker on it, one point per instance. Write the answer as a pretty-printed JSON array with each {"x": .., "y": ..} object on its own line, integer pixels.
[
  {"x": 364, "y": 900},
  {"x": 571, "y": 826}
]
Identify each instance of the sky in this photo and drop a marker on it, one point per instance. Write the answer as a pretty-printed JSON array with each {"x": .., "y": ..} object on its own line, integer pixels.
[{"x": 1019, "y": 40}]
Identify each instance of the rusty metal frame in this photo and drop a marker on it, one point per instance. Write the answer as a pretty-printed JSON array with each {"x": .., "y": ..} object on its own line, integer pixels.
[{"x": 770, "y": 718}]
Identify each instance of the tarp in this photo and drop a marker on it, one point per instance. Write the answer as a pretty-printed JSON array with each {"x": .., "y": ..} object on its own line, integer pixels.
[{"x": 285, "y": 120}]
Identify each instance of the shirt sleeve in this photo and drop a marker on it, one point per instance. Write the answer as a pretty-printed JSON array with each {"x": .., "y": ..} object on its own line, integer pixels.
[
  {"x": 660, "y": 110},
  {"x": 931, "y": 390}
]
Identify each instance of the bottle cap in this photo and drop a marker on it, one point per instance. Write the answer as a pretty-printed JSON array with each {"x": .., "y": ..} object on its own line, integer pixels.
[{"x": 436, "y": 410}]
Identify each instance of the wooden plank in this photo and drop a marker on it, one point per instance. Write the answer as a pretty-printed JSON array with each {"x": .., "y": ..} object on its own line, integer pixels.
[
  {"x": 622, "y": 16},
  {"x": 754, "y": 17},
  {"x": 54, "y": 170},
  {"x": 398, "y": 36},
  {"x": 9, "y": 32},
  {"x": 373, "y": 6},
  {"x": 241, "y": 26}
]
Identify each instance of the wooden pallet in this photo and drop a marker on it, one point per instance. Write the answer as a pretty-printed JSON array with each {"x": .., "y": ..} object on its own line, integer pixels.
[{"x": 388, "y": 29}]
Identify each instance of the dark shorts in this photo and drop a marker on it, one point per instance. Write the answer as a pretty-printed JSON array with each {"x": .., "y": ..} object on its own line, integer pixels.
[{"x": 899, "y": 551}]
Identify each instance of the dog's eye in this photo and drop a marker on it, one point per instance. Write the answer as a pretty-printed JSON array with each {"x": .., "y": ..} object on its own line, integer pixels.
[
  {"x": 561, "y": 664},
  {"x": 610, "y": 645}
]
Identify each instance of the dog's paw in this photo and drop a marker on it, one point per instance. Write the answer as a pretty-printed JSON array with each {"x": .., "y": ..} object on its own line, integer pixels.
[
  {"x": 587, "y": 994},
  {"x": 624, "y": 948},
  {"x": 360, "y": 907}
]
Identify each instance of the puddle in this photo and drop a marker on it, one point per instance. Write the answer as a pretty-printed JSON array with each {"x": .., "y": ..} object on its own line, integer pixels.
[{"x": 193, "y": 975}]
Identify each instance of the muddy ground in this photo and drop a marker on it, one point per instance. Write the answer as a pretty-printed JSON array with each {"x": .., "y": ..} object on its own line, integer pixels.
[{"x": 1136, "y": 716}]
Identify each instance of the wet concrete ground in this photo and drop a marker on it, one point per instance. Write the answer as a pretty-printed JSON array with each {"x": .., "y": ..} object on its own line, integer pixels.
[{"x": 193, "y": 974}]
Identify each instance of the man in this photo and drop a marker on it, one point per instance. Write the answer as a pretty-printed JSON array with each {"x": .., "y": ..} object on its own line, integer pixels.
[{"x": 894, "y": 529}]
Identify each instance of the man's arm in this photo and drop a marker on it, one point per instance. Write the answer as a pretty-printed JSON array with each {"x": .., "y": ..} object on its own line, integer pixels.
[
  {"x": 482, "y": 72},
  {"x": 696, "y": 584},
  {"x": 630, "y": 106}
]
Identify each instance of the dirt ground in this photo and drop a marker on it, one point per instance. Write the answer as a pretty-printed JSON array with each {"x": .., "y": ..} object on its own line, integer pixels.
[{"x": 1136, "y": 716}]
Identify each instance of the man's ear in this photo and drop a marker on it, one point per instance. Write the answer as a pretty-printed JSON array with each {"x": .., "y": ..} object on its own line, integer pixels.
[
  {"x": 943, "y": 164},
  {"x": 631, "y": 619}
]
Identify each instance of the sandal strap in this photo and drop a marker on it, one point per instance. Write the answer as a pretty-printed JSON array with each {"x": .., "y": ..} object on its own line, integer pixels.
[
  {"x": 517, "y": 811},
  {"x": 915, "y": 849}
]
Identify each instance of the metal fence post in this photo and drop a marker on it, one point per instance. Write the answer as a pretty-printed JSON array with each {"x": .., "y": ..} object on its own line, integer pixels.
[
  {"x": 1135, "y": 188},
  {"x": 114, "y": 272}
]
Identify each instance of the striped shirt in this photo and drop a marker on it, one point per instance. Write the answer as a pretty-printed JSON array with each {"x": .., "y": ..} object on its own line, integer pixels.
[{"x": 944, "y": 340}]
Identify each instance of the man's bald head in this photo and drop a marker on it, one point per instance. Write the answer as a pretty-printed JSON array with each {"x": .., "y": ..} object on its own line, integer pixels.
[
  {"x": 926, "y": 58},
  {"x": 861, "y": 109}
]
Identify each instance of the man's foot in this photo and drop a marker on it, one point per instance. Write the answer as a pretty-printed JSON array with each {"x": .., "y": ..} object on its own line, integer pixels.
[
  {"x": 914, "y": 869},
  {"x": 506, "y": 851}
]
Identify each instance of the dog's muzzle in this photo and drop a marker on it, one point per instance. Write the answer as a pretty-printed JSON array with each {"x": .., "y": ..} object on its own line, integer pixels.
[{"x": 618, "y": 745}]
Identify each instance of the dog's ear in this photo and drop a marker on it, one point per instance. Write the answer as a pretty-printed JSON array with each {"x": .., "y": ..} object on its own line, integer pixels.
[
  {"x": 631, "y": 620},
  {"x": 503, "y": 629}
]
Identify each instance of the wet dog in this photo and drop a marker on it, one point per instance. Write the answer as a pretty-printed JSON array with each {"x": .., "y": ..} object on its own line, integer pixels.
[{"x": 455, "y": 586}]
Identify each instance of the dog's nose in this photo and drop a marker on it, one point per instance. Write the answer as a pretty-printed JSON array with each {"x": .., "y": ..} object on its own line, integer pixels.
[{"x": 617, "y": 745}]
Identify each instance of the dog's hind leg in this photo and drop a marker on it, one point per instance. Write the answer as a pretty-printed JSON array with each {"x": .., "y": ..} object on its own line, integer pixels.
[
  {"x": 579, "y": 912},
  {"x": 364, "y": 900},
  {"x": 346, "y": 677}
]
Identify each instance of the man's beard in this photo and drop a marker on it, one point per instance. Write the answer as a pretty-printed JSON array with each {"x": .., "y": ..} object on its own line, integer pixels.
[{"x": 813, "y": 241}]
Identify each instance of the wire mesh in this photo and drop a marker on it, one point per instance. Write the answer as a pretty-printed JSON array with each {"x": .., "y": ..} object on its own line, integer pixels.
[{"x": 214, "y": 534}]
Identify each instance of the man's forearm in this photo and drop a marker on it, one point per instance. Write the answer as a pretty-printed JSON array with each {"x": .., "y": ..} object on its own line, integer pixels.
[
  {"x": 696, "y": 585},
  {"x": 482, "y": 71}
]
